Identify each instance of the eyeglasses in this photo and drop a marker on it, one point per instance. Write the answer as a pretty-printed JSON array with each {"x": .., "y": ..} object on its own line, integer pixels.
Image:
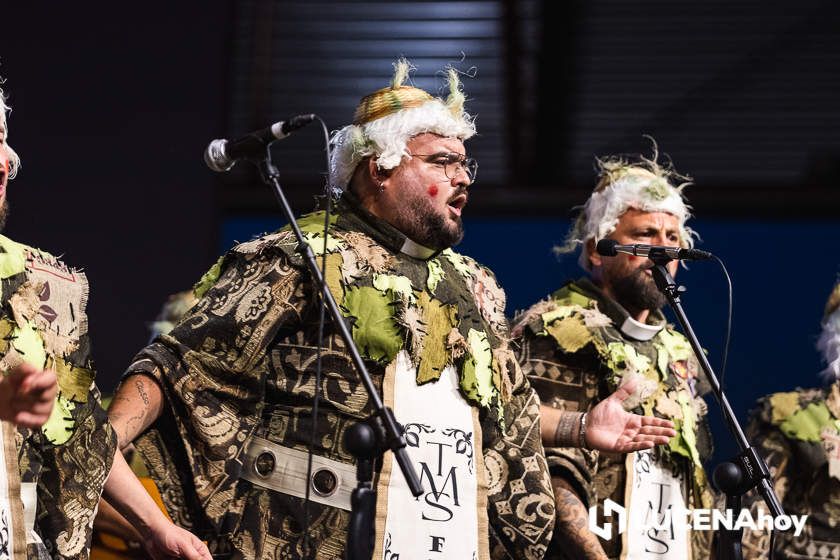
[{"x": 452, "y": 163}]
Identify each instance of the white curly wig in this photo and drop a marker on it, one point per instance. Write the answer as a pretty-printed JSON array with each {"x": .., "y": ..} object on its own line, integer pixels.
[
  {"x": 645, "y": 185},
  {"x": 14, "y": 159},
  {"x": 829, "y": 341},
  {"x": 385, "y": 137}
]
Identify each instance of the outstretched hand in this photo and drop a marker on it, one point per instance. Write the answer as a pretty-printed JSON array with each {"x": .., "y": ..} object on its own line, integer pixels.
[
  {"x": 170, "y": 541},
  {"x": 27, "y": 395},
  {"x": 611, "y": 428}
]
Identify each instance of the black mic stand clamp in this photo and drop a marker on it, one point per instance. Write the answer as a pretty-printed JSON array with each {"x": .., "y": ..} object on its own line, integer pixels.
[
  {"x": 365, "y": 441},
  {"x": 745, "y": 471},
  {"x": 370, "y": 438}
]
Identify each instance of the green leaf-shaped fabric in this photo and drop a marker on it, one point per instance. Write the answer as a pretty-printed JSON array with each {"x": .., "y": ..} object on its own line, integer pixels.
[{"x": 374, "y": 328}]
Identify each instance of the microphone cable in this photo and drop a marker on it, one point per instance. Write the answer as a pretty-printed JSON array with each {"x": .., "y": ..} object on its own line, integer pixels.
[
  {"x": 728, "y": 336},
  {"x": 772, "y": 543},
  {"x": 307, "y": 550}
]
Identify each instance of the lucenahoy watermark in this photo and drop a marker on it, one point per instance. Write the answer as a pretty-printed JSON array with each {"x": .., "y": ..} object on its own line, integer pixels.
[{"x": 695, "y": 519}]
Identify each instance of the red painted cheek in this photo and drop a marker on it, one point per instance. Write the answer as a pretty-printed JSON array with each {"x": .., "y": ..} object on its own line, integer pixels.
[
  {"x": 432, "y": 190},
  {"x": 633, "y": 258}
]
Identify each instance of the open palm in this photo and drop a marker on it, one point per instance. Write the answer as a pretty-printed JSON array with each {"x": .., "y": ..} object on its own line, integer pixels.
[{"x": 611, "y": 428}]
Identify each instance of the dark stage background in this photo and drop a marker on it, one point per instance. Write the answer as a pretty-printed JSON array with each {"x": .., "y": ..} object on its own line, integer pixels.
[{"x": 114, "y": 103}]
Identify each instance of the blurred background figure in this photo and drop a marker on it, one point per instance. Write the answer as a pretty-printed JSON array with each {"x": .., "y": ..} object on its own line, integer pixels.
[{"x": 798, "y": 433}]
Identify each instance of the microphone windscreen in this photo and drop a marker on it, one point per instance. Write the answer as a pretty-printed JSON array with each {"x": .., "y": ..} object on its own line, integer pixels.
[{"x": 606, "y": 247}]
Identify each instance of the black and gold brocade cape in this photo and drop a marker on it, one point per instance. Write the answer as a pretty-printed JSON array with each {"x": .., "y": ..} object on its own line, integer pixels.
[
  {"x": 70, "y": 457},
  {"x": 575, "y": 355},
  {"x": 798, "y": 433},
  {"x": 242, "y": 363}
]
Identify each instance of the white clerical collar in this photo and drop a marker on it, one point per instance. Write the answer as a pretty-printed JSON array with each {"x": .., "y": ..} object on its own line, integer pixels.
[
  {"x": 640, "y": 331},
  {"x": 416, "y": 250}
]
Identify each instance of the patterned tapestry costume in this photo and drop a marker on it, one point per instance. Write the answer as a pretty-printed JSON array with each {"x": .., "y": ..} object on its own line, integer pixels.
[
  {"x": 65, "y": 463},
  {"x": 239, "y": 375},
  {"x": 576, "y": 348},
  {"x": 798, "y": 434}
]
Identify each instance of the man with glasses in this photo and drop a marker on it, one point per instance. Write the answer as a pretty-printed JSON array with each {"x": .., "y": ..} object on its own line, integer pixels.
[{"x": 227, "y": 395}]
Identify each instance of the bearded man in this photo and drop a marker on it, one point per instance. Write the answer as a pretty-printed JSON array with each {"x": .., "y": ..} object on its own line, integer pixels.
[
  {"x": 58, "y": 447},
  {"x": 228, "y": 392},
  {"x": 600, "y": 332}
]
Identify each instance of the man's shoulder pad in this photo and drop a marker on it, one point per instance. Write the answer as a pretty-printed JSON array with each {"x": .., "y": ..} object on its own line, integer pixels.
[
  {"x": 569, "y": 295},
  {"x": 282, "y": 239},
  {"x": 11, "y": 245},
  {"x": 778, "y": 407}
]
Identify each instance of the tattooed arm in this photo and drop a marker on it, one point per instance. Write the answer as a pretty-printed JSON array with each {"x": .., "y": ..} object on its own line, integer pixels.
[
  {"x": 572, "y": 536},
  {"x": 137, "y": 403}
]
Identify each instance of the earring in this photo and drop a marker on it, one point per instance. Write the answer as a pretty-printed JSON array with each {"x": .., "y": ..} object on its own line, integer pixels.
[{"x": 381, "y": 187}]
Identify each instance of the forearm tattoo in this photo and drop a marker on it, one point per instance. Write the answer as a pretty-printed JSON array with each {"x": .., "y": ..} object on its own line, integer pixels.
[
  {"x": 571, "y": 532},
  {"x": 141, "y": 389},
  {"x": 127, "y": 415}
]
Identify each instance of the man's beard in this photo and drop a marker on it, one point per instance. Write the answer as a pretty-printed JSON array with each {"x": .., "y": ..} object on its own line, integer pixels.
[
  {"x": 421, "y": 224},
  {"x": 637, "y": 291},
  {"x": 4, "y": 213}
]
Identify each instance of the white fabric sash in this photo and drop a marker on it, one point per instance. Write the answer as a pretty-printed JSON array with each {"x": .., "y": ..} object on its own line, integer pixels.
[
  {"x": 656, "y": 521},
  {"x": 443, "y": 523}
]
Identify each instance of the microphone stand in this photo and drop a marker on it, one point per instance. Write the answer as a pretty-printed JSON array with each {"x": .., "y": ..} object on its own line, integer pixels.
[
  {"x": 745, "y": 471},
  {"x": 369, "y": 438}
]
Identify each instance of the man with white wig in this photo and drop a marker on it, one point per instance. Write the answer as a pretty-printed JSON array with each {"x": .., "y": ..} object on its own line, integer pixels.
[
  {"x": 58, "y": 450},
  {"x": 606, "y": 332},
  {"x": 224, "y": 401},
  {"x": 798, "y": 434}
]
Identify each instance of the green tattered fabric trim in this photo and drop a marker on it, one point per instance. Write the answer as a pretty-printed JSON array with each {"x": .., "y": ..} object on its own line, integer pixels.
[
  {"x": 374, "y": 329},
  {"x": 566, "y": 322},
  {"x": 13, "y": 259},
  {"x": 399, "y": 285},
  {"x": 314, "y": 222},
  {"x": 671, "y": 347},
  {"x": 59, "y": 426},
  {"x": 29, "y": 344},
  {"x": 807, "y": 424},
  {"x": 439, "y": 319},
  {"x": 208, "y": 279},
  {"x": 688, "y": 428},
  {"x": 799, "y": 421},
  {"x": 436, "y": 274},
  {"x": 567, "y": 297},
  {"x": 677, "y": 444},
  {"x": 312, "y": 227},
  {"x": 623, "y": 358},
  {"x": 458, "y": 261},
  {"x": 569, "y": 332},
  {"x": 477, "y": 377},
  {"x": 73, "y": 383},
  {"x": 783, "y": 405},
  {"x": 332, "y": 276}
]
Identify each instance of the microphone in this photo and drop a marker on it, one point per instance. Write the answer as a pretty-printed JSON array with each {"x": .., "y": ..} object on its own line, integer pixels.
[
  {"x": 221, "y": 154},
  {"x": 610, "y": 248}
]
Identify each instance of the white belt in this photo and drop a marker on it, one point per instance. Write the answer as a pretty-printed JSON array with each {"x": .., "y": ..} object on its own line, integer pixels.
[{"x": 283, "y": 469}]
